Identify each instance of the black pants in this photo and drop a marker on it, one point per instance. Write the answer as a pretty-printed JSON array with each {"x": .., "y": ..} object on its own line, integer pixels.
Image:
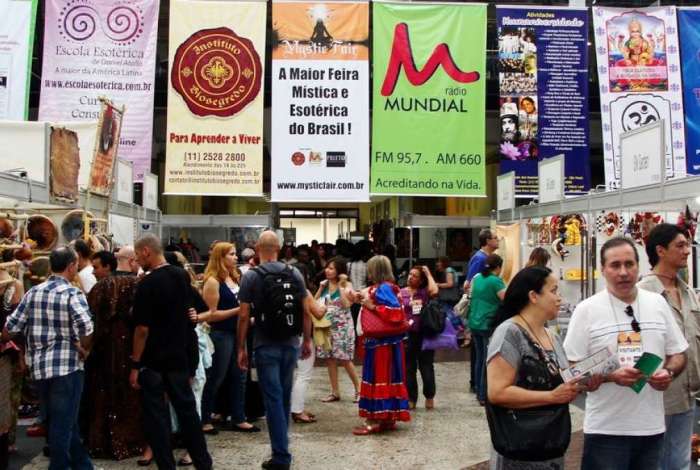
[
  {"x": 419, "y": 360},
  {"x": 156, "y": 417}
]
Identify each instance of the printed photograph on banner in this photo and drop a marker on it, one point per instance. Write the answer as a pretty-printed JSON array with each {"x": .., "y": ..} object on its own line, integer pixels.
[
  {"x": 637, "y": 53},
  {"x": 214, "y": 139},
  {"x": 639, "y": 75},
  {"x": 107, "y": 142},
  {"x": 320, "y": 102},
  {"x": 95, "y": 48},
  {"x": 320, "y": 30},
  {"x": 543, "y": 88},
  {"x": 429, "y": 86}
]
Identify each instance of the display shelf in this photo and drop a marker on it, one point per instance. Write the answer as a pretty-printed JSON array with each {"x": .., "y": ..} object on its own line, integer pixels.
[{"x": 185, "y": 221}]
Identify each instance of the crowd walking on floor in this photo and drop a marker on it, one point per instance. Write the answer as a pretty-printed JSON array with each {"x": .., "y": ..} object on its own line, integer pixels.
[{"x": 127, "y": 348}]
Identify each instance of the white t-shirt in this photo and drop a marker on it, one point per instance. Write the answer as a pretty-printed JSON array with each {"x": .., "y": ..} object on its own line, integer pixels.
[
  {"x": 87, "y": 279},
  {"x": 612, "y": 409}
]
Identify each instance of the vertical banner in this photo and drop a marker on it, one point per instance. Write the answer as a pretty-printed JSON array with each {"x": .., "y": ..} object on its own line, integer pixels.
[
  {"x": 689, "y": 25},
  {"x": 215, "y": 99},
  {"x": 429, "y": 99},
  {"x": 109, "y": 129},
  {"x": 95, "y": 48},
  {"x": 320, "y": 101},
  {"x": 16, "y": 45},
  {"x": 543, "y": 88},
  {"x": 640, "y": 81}
]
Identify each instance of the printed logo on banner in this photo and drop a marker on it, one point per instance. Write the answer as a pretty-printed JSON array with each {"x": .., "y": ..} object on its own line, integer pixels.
[
  {"x": 335, "y": 159},
  {"x": 402, "y": 56},
  {"x": 80, "y": 19},
  {"x": 315, "y": 158},
  {"x": 298, "y": 158},
  {"x": 216, "y": 72}
]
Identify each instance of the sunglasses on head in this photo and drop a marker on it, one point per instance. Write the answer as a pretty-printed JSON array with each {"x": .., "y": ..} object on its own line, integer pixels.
[{"x": 635, "y": 324}]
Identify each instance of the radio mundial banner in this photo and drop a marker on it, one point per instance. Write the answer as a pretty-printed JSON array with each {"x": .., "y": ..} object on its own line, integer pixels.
[
  {"x": 689, "y": 28},
  {"x": 639, "y": 73},
  {"x": 215, "y": 99},
  {"x": 102, "y": 48},
  {"x": 16, "y": 45},
  {"x": 543, "y": 88},
  {"x": 320, "y": 101},
  {"x": 429, "y": 99}
]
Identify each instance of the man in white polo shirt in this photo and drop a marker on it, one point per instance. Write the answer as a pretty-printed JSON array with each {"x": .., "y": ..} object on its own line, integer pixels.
[{"x": 623, "y": 429}]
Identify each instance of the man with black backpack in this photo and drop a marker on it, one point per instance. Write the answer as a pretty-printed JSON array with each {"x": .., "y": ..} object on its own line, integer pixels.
[{"x": 276, "y": 294}]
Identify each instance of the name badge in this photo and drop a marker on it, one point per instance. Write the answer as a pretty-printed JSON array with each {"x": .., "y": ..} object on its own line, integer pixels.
[{"x": 629, "y": 348}]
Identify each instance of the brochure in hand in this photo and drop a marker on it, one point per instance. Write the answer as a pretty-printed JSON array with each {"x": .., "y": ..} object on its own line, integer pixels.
[
  {"x": 600, "y": 362},
  {"x": 647, "y": 364}
]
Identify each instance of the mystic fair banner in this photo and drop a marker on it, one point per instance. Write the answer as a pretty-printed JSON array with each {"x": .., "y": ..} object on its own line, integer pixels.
[
  {"x": 543, "y": 81},
  {"x": 689, "y": 25},
  {"x": 428, "y": 131},
  {"x": 96, "y": 48},
  {"x": 640, "y": 81},
  {"x": 320, "y": 104},
  {"x": 215, "y": 99},
  {"x": 16, "y": 45}
]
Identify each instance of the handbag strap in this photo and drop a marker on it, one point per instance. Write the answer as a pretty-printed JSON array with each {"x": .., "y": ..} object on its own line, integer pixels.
[{"x": 540, "y": 350}]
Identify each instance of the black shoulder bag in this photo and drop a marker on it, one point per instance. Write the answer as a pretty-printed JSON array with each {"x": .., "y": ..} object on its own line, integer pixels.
[{"x": 531, "y": 434}]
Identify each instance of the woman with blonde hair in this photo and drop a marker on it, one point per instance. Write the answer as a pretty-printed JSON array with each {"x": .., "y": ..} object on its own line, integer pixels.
[
  {"x": 538, "y": 258},
  {"x": 220, "y": 293},
  {"x": 383, "y": 394}
]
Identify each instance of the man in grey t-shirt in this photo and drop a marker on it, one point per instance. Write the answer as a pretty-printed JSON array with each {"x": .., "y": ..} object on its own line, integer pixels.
[{"x": 274, "y": 359}]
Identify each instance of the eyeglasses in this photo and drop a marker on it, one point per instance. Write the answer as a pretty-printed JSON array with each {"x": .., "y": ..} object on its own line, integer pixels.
[{"x": 635, "y": 324}]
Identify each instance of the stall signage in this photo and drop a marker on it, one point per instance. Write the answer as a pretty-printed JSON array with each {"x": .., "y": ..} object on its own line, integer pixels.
[
  {"x": 505, "y": 189},
  {"x": 551, "y": 179},
  {"x": 642, "y": 155}
]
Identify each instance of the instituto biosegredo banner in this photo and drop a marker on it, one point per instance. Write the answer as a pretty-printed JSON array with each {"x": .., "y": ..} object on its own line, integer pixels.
[
  {"x": 215, "y": 98},
  {"x": 428, "y": 130},
  {"x": 320, "y": 103},
  {"x": 689, "y": 28},
  {"x": 95, "y": 48},
  {"x": 16, "y": 45},
  {"x": 543, "y": 89},
  {"x": 639, "y": 73}
]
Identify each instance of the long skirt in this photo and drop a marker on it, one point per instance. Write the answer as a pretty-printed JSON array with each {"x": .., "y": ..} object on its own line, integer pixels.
[{"x": 383, "y": 394}]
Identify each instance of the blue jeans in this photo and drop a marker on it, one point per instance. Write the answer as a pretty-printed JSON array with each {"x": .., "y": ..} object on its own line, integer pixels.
[
  {"x": 604, "y": 452},
  {"x": 481, "y": 342},
  {"x": 60, "y": 397},
  {"x": 223, "y": 360},
  {"x": 679, "y": 429},
  {"x": 276, "y": 365}
]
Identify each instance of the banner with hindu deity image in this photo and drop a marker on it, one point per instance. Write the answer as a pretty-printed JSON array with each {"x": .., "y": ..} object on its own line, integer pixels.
[
  {"x": 543, "y": 88},
  {"x": 639, "y": 74},
  {"x": 320, "y": 101},
  {"x": 215, "y": 100}
]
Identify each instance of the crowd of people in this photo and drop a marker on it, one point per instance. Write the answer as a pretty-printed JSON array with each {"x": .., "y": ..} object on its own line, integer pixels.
[{"x": 127, "y": 349}]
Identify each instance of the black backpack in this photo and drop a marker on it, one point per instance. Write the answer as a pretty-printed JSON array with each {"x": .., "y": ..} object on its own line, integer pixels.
[
  {"x": 432, "y": 319},
  {"x": 280, "y": 316}
]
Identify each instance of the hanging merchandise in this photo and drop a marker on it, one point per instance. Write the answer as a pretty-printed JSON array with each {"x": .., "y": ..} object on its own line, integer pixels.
[
  {"x": 567, "y": 231},
  {"x": 609, "y": 223},
  {"x": 96, "y": 48},
  {"x": 215, "y": 100},
  {"x": 320, "y": 64},
  {"x": 689, "y": 30},
  {"x": 428, "y": 122},
  {"x": 641, "y": 224},
  {"x": 17, "y": 39},
  {"x": 688, "y": 222},
  {"x": 543, "y": 88},
  {"x": 640, "y": 81}
]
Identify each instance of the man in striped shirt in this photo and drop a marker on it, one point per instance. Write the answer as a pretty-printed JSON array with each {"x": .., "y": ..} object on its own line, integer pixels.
[{"x": 55, "y": 319}]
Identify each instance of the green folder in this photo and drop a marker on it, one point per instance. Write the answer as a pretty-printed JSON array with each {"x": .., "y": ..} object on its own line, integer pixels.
[{"x": 647, "y": 364}]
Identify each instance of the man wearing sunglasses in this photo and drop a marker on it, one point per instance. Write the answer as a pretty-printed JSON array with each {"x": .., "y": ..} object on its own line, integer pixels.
[
  {"x": 624, "y": 430},
  {"x": 668, "y": 250}
]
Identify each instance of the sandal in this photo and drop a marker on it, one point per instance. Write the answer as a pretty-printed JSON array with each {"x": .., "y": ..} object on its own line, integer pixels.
[
  {"x": 303, "y": 418},
  {"x": 388, "y": 425},
  {"x": 330, "y": 398},
  {"x": 357, "y": 397},
  {"x": 367, "y": 429},
  {"x": 184, "y": 462}
]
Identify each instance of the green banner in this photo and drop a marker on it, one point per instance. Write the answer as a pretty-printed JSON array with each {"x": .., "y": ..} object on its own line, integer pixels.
[{"x": 429, "y": 100}]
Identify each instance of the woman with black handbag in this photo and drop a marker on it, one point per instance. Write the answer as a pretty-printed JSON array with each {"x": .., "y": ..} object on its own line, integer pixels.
[{"x": 528, "y": 404}]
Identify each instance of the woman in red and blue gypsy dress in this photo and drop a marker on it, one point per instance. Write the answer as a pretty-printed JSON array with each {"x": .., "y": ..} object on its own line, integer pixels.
[{"x": 383, "y": 393}]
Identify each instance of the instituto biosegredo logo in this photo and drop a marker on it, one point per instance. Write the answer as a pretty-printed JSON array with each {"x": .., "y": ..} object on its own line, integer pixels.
[{"x": 216, "y": 72}]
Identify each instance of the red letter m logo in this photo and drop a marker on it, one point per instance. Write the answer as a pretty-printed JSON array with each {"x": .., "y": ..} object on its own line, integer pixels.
[{"x": 401, "y": 55}]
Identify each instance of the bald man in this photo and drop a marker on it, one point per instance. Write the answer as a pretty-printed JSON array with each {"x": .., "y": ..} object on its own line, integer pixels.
[
  {"x": 126, "y": 262},
  {"x": 276, "y": 348}
]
